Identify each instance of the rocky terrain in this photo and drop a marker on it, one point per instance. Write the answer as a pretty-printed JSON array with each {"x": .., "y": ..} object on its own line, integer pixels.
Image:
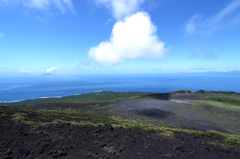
[
  {"x": 64, "y": 140},
  {"x": 57, "y": 130}
]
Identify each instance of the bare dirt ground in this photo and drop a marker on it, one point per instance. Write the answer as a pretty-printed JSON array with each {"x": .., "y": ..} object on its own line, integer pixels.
[{"x": 173, "y": 109}]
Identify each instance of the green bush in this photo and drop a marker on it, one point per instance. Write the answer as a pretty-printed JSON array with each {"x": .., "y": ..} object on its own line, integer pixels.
[
  {"x": 151, "y": 130},
  {"x": 200, "y": 92},
  {"x": 232, "y": 141},
  {"x": 181, "y": 92}
]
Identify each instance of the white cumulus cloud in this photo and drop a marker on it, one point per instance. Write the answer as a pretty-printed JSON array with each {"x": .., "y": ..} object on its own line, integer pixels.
[
  {"x": 198, "y": 24},
  {"x": 62, "y": 5},
  {"x": 51, "y": 69},
  {"x": 134, "y": 37},
  {"x": 121, "y": 8}
]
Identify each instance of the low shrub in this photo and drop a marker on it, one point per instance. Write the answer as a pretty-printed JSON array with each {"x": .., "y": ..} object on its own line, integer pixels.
[
  {"x": 211, "y": 134},
  {"x": 151, "y": 130},
  {"x": 200, "y": 92},
  {"x": 57, "y": 121},
  {"x": 232, "y": 140},
  {"x": 181, "y": 92},
  {"x": 167, "y": 134},
  {"x": 19, "y": 118}
]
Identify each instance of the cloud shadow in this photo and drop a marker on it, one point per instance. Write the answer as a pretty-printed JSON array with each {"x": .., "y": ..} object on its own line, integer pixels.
[{"x": 154, "y": 113}]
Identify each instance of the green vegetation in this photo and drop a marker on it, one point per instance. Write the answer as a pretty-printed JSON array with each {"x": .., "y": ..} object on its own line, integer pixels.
[
  {"x": 233, "y": 99},
  {"x": 225, "y": 93},
  {"x": 216, "y": 92},
  {"x": 200, "y": 92},
  {"x": 85, "y": 97},
  {"x": 19, "y": 117},
  {"x": 180, "y": 91},
  {"x": 212, "y": 134},
  {"x": 167, "y": 134},
  {"x": 222, "y": 108},
  {"x": 220, "y": 113},
  {"x": 225, "y": 100}
]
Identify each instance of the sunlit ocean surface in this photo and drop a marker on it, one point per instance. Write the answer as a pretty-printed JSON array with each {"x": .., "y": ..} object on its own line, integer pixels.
[{"x": 22, "y": 88}]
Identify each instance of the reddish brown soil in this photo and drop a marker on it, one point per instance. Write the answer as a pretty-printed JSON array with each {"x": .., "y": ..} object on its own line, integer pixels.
[{"x": 21, "y": 141}]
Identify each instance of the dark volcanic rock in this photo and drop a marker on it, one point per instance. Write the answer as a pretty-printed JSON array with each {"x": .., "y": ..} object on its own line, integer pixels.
[{"x": 67, "y": 141}]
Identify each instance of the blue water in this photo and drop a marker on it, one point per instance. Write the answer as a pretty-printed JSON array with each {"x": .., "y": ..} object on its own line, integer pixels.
[{"x": 22, "y": 88}]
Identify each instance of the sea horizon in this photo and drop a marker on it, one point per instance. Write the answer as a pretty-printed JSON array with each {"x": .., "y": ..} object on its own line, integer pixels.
[{"x": 13, "y": 89}]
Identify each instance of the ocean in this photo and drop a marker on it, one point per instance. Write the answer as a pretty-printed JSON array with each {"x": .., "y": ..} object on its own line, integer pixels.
[{"x": 22, "y": 88}]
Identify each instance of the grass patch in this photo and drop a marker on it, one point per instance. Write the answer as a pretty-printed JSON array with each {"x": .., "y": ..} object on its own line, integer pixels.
[
  {"x": 19, "y": 118},
  {"x": 180, "y": 91},
  {"x": 167, "y": 134},
  {"x": 211, "y": 134},
  {"x": 71, "y": 113},
  {"x": 232, "y": 140},
  {"x": 6, "y": 111},
  {"x": 58, "y": 121},
  {"x": 91, "y": 106},
  {"x": 225, "y": 100},
  {"x": 230, "y": 98},
  {"x": 222, "y": 114},
  {"x": 83, "y": 124},
  {"x": 106, "y": 107}
]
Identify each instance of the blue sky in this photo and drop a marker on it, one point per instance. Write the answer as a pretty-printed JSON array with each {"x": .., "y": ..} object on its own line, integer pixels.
[{"x": 118, "y": 36}]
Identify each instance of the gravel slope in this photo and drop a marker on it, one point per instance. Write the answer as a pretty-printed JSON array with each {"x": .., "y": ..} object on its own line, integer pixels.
[
  {"x": 21, "y": 141},
  {"x": 174, "y": 109}
]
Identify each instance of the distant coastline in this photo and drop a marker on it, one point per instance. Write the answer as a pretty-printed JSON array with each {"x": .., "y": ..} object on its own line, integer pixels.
[{"x": 23, "y": 88}]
